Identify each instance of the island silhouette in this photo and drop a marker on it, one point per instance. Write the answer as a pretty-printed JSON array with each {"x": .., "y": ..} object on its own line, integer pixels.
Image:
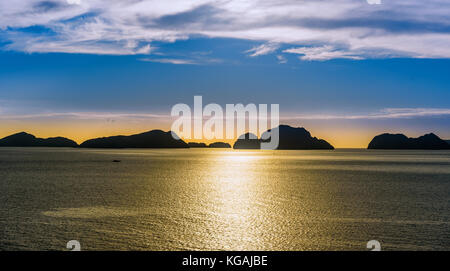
[
  {"x": 402, "y": 142},
  {"x": 221, "y": 145},
  {"x": 197, "y": 145},
  {"x": 27, "y": 140},
  {"x": 290, "y": 138},
  {"x": 151, "y": 139},
  {"x": 247, "y": 141}
]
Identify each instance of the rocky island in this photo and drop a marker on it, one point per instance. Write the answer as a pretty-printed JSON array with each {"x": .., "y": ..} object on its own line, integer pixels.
[
  {"x": 197, "y": 145},
  {"x": 402, "y": 142},
  {"x": 247, "y": 141},
  {"x": 221, "y": 145},
  {"x": 291, "y": 138},
  {"x": 151, "y": 139},
  {"x": 28, "y": 140}
]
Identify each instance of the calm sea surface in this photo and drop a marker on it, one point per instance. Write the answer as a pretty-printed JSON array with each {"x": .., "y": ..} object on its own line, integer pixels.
[{"x": 206, "y": 199}]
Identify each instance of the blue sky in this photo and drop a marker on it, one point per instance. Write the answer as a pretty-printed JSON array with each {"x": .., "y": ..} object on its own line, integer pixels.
[{"x": 345, "y": 65}]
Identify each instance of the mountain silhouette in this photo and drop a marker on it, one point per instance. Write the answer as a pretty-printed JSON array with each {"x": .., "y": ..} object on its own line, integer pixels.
[
  {"x": 27, "y": 140},
  {"x": 297, "y": 139},
  {"x": 402, "y": 142},
  {"x": 219, "y": 145},
  {"x": 290, "y": 138},
  {"x": 151, "y": 139},
  {"x": 197, "y": 145},
  {"x": 247, "y": 141}
]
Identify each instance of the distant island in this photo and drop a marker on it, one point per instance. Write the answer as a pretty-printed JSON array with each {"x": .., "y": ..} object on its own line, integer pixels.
[
  {"x": 197, "y": 145},
  {"x": 402, "y": 142},
  {"x": 290, "y": 139},
  {"x": 212, "y": 145},
  {"x": 221, "y": 145},
  {"x": 247, "y": 141},
  {"x": 151, "y": 139},
  {"x": 27, "y": 140}
]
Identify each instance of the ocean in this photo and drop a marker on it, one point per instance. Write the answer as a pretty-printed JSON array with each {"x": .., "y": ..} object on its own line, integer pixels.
[{"x": 223, "y": 199}]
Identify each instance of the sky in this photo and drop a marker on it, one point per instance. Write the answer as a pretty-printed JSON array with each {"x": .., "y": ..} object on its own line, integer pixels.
[{"x": 346, "y": 70}]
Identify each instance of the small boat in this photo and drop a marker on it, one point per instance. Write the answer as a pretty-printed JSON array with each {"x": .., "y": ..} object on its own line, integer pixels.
[{"x": 116, "y": 161}]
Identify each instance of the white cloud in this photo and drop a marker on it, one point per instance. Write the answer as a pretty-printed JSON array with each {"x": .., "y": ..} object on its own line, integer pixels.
[
  {"x": 74, "y": 2},
  {"x": 144, "y": 50},
  {"x": 387, "y": 113},
  {"x": 263, "y": 49},
  {"x": 320, "y": 53},
  {"x": 414, "y": 28},
  {"x": 82, "y": 115},
  {"x": 281, "y": 59},
  {"x": 170, "y": 61},
  {"x": 374, "y": 2}
]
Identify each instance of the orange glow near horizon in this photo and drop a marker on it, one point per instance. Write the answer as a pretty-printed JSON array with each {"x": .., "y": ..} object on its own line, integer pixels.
[{"x": 77, "y": 130}]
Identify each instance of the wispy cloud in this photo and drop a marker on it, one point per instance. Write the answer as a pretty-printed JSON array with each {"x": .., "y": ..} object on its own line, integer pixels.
[
  {"x": 415, "y": 28},
  {"x": 83, "y": 115},
  {"x": 263, "y": 49},
  {"x": 170, "y": 61},
  {"x": 374, "y": 2},
  {"x": 74, "y": 2},
  {"x": 321, "y": 53},
  {"x": 388, "y": 113},
  {"x": 281, "y": 59}
]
